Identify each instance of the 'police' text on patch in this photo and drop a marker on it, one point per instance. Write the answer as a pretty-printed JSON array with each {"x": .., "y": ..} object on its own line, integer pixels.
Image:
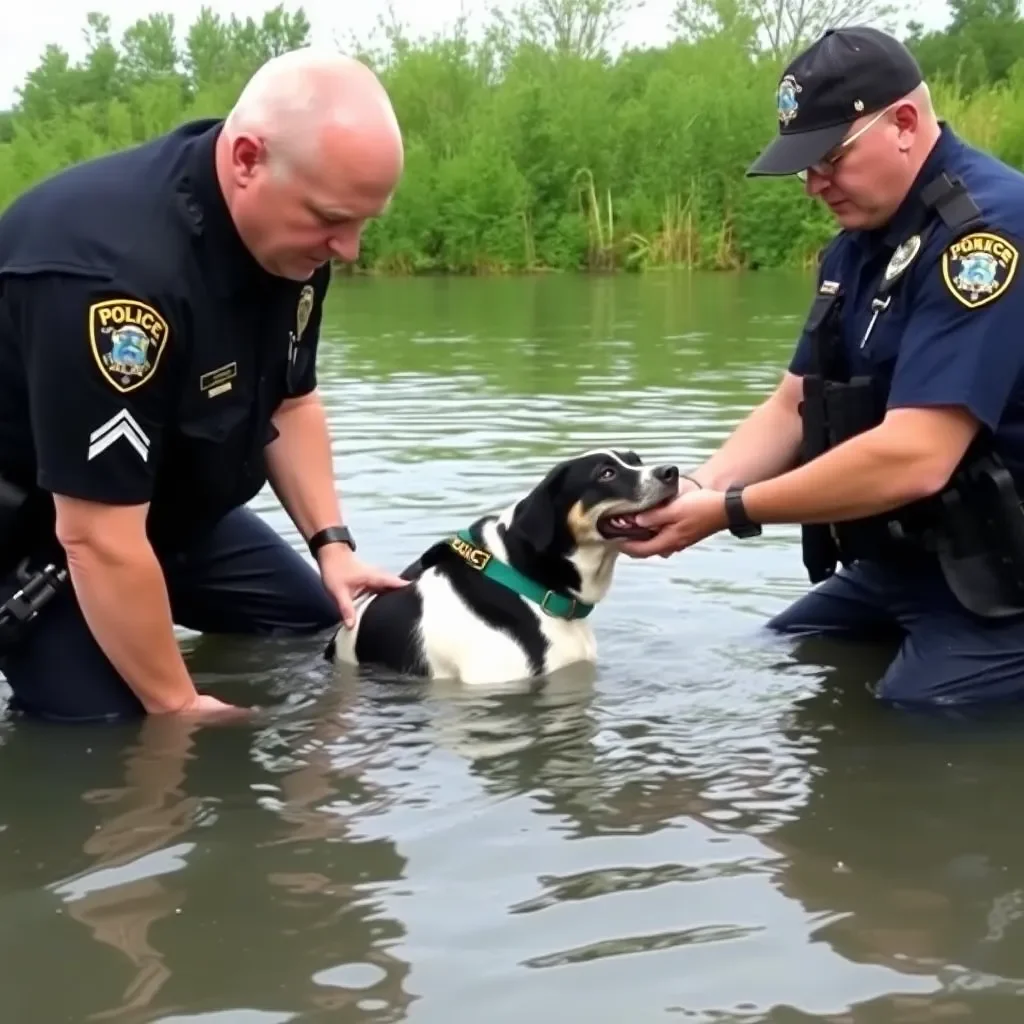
[
  {"x": 127, "y": 337},
  {"x": 979, "y": 267}
]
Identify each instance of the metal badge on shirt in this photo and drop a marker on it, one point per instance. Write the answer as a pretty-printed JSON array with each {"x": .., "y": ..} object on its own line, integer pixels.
[
  {"x": 903, "y": 257},
  {"x": 303, "y": 312},
  {"x": 127, "y": 338}
]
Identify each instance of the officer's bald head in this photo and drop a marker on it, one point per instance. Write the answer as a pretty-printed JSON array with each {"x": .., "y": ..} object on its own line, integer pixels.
[
  {"x": 296, "y": 97},
  {"x": 310, "y": 151}
]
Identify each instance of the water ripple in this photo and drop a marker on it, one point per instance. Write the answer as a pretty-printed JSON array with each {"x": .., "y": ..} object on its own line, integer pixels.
[
  {"x": 714, "y": 824},
  {"x": 637, "y": 944}
]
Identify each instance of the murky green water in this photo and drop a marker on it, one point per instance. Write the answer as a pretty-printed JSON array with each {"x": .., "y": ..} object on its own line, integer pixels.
[{"x": 714, "y": 827}]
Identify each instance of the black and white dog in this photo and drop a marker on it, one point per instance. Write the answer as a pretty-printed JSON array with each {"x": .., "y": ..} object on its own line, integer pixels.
[{"x": 508, "y": 598}]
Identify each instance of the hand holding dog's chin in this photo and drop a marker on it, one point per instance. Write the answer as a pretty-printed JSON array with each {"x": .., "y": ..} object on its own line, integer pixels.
[{"x": 692, "y": 517}]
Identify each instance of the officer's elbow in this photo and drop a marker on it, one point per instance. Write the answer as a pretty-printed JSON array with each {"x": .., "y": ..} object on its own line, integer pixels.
[
  {"x": 926, "y": 479},
  {"x": 919, "y": 473},
  {"x": 92, "y": 532},
  {"x": 926, "y": 446}
]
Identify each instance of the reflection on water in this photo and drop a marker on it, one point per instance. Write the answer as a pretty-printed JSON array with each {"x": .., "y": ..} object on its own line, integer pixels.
[{"x": 714, "y": 825}]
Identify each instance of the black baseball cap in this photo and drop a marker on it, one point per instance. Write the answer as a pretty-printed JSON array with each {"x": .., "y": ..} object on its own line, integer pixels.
[{"x": 847, "y": 73}]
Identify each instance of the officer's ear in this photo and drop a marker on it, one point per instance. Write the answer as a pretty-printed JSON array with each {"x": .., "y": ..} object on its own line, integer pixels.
[
  {"x": 248, "y": 153},
  {"x": 906, "y": 117}
]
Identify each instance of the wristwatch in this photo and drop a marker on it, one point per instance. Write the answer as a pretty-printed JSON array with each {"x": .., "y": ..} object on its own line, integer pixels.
[
  {"x": 740, "y": 524},
  {"x": 330, "y": 535}
]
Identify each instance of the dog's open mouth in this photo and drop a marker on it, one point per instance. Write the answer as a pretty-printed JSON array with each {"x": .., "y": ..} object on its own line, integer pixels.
[{"x": 623, "y": 525}]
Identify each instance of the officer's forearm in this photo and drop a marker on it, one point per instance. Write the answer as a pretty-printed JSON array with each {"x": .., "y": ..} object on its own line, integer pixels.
[
  {"x": 300, "y": 466},
  {"x": 123, "y": 596},
  {"x": 868, "y": 474},
  {"x": 765, "y": 444}
]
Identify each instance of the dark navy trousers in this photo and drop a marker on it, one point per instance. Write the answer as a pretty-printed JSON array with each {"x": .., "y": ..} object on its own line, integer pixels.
[
  {"x": 946, "y": 655},
  {"x": 240, "y": 578}
]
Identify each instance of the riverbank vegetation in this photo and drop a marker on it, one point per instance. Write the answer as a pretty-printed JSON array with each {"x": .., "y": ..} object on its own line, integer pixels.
[{"x": 529, "y": 146}]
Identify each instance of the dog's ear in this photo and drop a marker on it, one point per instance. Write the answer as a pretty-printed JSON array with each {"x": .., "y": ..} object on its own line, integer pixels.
[
  {"x": 534, "y": 521},
  {"x": 536, "y": 516}
]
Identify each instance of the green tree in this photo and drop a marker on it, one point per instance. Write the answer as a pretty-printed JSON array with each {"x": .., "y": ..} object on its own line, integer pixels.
[
  {"x": 980, "y": 46},
  {"x": 779, "y": 29},
  {"x": 535, "y": 147}
]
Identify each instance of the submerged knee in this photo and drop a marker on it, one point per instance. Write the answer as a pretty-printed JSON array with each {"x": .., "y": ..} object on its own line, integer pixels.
[
  {"x": 924, "y": 690},
  {"x": 304, "y": 608},
  {"x": 317, "y": 613}
]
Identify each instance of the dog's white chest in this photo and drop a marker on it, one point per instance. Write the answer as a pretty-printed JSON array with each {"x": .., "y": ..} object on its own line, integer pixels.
[
  {"x": 570, "y": 641},
  {"x": 458, "y": 644}
]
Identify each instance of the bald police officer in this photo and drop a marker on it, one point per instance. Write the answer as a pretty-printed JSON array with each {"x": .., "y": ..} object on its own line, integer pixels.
[
  {"x": 160, "y": 313},
  {"x": 896, "y": 438}
]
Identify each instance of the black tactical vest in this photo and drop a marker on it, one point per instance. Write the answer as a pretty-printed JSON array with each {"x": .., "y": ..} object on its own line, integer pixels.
[{"x": 974, "y": 526}]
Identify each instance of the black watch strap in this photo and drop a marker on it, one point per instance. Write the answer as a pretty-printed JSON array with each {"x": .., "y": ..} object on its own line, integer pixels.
[
  {"x": 740, "y": 524},
  {"x": 330, "y": 535}
]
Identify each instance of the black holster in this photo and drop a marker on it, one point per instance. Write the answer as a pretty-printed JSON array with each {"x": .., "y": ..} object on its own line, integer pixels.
[
  {"x": 20, "y": 522},
  {"x": 36, "y": 590},
  {"x": 979, "y": 541}
]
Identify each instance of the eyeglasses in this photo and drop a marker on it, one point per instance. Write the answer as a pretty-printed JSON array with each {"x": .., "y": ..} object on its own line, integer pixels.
[{"x": 826, "y": 167}]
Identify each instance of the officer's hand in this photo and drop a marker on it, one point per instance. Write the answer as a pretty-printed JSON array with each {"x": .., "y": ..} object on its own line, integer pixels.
[
  {"x": 346, "y": 577},
  {"x": 690, "y": 518},
  {"x": 205, "y": 706},
  {"x": 687, "y": 484}
]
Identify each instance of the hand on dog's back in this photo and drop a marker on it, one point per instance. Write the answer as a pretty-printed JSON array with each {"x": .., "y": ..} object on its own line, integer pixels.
[{"x": 347, "y": 577}]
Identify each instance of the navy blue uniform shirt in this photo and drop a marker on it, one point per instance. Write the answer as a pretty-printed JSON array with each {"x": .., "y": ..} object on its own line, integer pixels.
[
  {"x": 143, "y": 350},
  {"x": 954, "y": 331}
]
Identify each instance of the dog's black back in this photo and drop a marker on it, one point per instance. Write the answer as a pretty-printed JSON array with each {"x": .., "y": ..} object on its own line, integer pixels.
[{"x": 388, "y": 632}]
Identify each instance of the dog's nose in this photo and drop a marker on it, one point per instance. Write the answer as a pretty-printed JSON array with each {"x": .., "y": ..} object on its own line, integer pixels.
[{"x": 667, "y": 474}]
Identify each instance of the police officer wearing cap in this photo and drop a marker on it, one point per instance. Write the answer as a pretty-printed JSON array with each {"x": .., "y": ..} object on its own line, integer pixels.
[
  {"x": 896, "y": 436},
  {"x": 160, "y": 314}
]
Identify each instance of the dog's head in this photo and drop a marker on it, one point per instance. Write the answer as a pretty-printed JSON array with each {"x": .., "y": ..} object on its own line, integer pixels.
[{"x": 590, "y": 501}]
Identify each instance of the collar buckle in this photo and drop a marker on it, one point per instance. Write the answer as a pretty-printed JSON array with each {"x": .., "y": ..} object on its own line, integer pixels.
[{"x": 555, "y": 615}]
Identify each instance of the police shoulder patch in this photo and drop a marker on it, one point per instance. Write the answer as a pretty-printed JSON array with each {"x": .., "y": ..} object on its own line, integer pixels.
[
  {"x": 128, "y": 338},
  {"x": 979, "y": 267}
]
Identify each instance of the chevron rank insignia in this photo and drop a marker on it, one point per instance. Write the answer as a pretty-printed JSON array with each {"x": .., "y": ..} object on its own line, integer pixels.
[
  {"x": 122, "y": 426},
  {"x": 127, "y": 338}
]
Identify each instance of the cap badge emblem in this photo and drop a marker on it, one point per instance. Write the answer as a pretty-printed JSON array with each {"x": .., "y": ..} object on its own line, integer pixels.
[{"x": 787, "y": 103}]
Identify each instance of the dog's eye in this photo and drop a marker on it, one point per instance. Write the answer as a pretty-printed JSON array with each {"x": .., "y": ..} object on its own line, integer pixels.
[{"x": 607, "y": 473}]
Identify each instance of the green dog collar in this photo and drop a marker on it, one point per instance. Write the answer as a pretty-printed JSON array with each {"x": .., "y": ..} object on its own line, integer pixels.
[{"x": 557, "y": 605}]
